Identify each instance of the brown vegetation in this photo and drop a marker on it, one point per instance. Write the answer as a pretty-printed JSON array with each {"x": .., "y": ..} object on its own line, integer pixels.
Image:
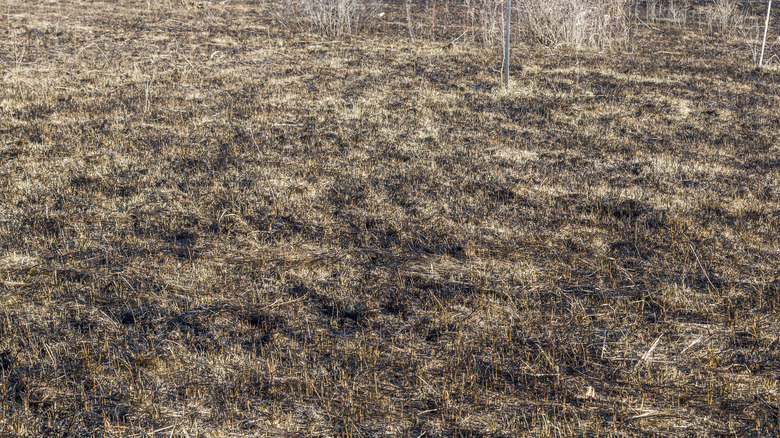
[{"x": 213, "y": 225}]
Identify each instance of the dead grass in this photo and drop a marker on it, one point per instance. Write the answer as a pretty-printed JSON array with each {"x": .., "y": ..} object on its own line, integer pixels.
[{"x": 213, "y": 227}]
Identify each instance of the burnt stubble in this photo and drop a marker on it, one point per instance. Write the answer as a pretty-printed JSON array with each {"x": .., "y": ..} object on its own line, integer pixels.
[{"x": 215, "y": 225}]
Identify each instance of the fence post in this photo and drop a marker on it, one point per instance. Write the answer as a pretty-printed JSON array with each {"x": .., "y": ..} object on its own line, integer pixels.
[
  {"x": 506, "y": 43},
  {"x": 766, "y": 26}
]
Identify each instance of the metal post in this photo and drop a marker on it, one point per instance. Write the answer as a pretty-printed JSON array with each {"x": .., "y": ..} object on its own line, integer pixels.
[
  {"x": 766, "y": 26},
  {"x": 506, "y": 43}
]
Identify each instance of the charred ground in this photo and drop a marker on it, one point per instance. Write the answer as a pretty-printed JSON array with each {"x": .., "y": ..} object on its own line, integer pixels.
[{"x": 213, "y": 225}]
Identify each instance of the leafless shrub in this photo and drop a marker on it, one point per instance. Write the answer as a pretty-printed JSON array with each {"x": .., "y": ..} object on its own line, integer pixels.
[
  {"x": 748, "y": 23},
  {"x": 409, "y": 20},
  {"x": 554, "y": 22},
  {"x": 575, "y": 22},
  {"x": 473, "y": 20},
  {"x": 334, "y": 18},
  {"x": 678, "y": 11},
  {"x": 720, "y": 15},
  {"x": 652, "y": 10},
  {"x": 750, "y": 30},
  {"x": 483, "y": 19}
]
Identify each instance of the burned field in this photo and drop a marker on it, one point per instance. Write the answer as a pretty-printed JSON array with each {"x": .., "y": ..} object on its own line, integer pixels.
[{"x": 213, "y": 225}]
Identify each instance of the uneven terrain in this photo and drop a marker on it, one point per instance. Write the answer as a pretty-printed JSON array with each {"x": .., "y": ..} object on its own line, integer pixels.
[{"x": 213, "y": 224}]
